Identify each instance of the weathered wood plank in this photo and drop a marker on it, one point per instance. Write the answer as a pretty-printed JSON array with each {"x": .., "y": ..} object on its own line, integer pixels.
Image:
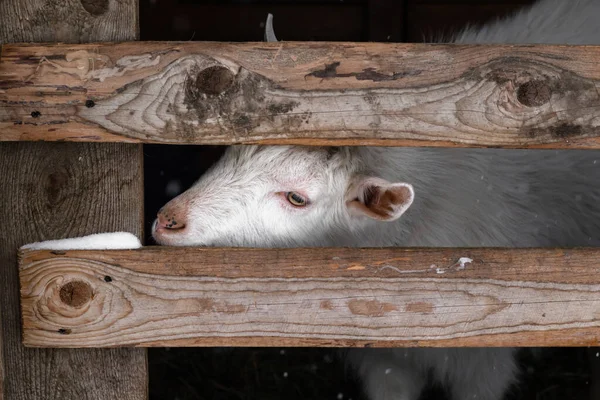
[
  {"x": 52, "y": 191},
  {"x": 303, "y": 93},
  {"x": 63, "y": 190},
  {"x": 70, "y": 21},
  {"x": 300, "y": 297}
]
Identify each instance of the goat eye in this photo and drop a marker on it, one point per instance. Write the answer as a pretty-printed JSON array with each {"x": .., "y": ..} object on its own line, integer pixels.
[{"x": 295, "y": 199}]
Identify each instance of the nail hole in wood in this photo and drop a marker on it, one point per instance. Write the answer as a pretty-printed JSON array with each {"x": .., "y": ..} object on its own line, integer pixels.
[
  {"x": 90, "y": 103},
  {"x": 107, "y": 279}
]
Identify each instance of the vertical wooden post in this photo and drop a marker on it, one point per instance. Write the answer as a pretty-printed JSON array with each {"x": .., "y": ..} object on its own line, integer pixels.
[{"x": 57, "y": 190}]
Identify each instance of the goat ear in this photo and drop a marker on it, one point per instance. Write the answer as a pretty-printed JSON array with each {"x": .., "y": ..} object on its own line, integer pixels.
[{"x": 379, "y": 199}]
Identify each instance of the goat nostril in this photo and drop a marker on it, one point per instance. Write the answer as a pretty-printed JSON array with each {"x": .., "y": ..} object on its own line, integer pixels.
[
  {"x": 173, "y": 224},
  {"x": 169, "y": 222}
]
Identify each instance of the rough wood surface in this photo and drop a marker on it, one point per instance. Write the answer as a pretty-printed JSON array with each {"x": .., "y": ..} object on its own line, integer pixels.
[
  {"x": 302, "y": 297},
  {"x": 52, "y": 191},
  {"x": 60, "y": 190},
  {"x": 69, "y": 21},
  {"x": 303, "y": 93}
]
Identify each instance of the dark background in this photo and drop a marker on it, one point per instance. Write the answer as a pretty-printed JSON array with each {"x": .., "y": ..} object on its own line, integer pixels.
[{"x": 236, "y": 374}]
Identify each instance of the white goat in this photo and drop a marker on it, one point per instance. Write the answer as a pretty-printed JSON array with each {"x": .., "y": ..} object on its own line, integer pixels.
[{"x": 288, "y": 196}]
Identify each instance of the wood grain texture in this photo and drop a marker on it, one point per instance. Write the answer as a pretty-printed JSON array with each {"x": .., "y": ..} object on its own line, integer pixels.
[
  {"x": 65, "y": 190},
  {"x": 52, "y": 191},
  {"x": 303, "y": 93},
  {"x": 70, "y": 21},
  {"x": 301, "y": 297}
]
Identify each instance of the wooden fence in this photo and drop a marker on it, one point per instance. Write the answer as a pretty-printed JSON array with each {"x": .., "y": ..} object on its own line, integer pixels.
[
  {"x": 283, "y": 93},
  {"x": 305, "y": 297},
  {"x": 303, "y": 93}
]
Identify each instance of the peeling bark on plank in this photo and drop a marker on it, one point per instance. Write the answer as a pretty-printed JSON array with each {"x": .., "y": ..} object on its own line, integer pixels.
[
  {"x": 298, "y": 297},
  {"x": 303, "y": 93}
]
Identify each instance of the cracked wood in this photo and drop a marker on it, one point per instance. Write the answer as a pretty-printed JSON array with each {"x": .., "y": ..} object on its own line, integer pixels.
[
  {"x": 161, "y": 296},
  {"x": 303, "y": 93}
]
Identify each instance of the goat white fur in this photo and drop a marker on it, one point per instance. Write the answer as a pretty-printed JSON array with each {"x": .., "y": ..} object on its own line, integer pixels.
[{"x": 462, "y": 197}]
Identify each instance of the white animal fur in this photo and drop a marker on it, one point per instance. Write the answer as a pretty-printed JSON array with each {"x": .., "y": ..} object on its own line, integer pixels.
[{"x": 464, "y": 197}]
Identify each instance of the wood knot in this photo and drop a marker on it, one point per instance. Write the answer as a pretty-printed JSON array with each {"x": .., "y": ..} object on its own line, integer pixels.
[
  {"x": 56, "y": 182},
  {"x": 76, "y": 294},
  {"x": 534, "y": 93},
  {"x": 95, "y": 7},
  {"x": 214, "y": 80}
]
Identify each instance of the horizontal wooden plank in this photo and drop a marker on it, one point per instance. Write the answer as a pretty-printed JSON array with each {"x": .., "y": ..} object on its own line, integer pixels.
[
  {"x": 303, "y": 93},
  {"x": 160, "y": 296}
]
